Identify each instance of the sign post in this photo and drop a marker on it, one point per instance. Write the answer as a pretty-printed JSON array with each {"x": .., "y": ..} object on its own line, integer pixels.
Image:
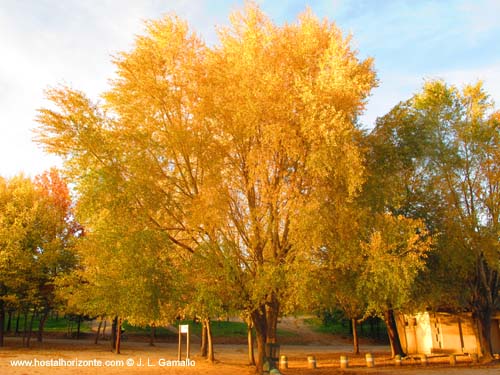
[{"x": 183, "y": 329}]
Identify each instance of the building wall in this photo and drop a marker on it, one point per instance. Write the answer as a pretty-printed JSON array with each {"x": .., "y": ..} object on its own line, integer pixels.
[
  {"x": 453, "y": 333},
  {"x": 415, "y": 333},
  {"x": 426, "y": 333}
]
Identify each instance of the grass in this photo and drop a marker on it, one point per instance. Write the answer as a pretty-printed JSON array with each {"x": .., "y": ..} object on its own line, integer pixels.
[
  {"x": 53, "y": 324},
  {"x": 221, "y": 328},
  {"x": 335, "y": 328},
  {"x": 61, "y": 325},
  {"x": 146, "y": 331},
  {"x": 342, "y": 327}
]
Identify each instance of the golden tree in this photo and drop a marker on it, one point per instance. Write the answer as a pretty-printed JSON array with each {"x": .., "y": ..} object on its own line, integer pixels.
[{"x": 230, "y": 148}]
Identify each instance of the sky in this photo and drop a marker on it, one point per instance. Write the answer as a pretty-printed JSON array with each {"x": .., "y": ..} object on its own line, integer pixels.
[{"x": 44, "y": 43}]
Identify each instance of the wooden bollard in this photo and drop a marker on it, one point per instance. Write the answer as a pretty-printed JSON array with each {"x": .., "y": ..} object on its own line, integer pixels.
[
  {"x": 397, "y": 360},
  {"x": 369, "y": 360},
  {"x": 344, "y": 361},
  {"x": 424, "y": 360},
  {"x": 283, "y": 362},
  {"x": 311, "y": 361},
  {"x": 453, "y": 359}
]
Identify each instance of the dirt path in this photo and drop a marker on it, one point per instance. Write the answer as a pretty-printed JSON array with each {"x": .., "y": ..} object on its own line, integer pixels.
[{"x": 310, "y": 337}]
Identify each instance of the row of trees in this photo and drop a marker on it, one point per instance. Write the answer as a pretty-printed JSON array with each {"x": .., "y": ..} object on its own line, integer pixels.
[{"x": 234, "y": 179}]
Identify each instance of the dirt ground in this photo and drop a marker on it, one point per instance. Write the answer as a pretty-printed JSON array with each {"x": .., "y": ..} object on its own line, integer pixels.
[
  {"x": 64, "y": 356},
  {"x": 140, "y": 358}
]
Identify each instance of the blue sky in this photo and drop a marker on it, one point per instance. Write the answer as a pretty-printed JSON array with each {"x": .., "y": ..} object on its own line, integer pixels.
[{"x": 46, "y": 42}]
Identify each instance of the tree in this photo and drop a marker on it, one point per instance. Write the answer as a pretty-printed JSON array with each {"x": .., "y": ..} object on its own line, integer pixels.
[
  {"x": 126, "y": 270},
  {"x": 452, "y": 181},
  {"x": 230, "y": 147},
  {"x": 394, "y": 254},
  {"x": 56, "y": 256},
  {"x": 369, "y": 264},
  {"x": 36, "y": 239},
  {"x": 286, "y": 131}
]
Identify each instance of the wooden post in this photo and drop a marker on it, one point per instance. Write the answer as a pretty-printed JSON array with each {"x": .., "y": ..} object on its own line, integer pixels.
[
  {"x": 453, "y": 359},
  {"x": 283, "y": 362},
  {"x": 179, "y": 350},
  {"x": 369, "y": 360},
  {"x": 344, "y": 361},
  {"x": 311, "y": 361},
  {"x": 397, "y": 360},
  {"x": 424, "y": 360},
  {"x": 475, "y": 358},
  {"x": 187, "y": 344}
]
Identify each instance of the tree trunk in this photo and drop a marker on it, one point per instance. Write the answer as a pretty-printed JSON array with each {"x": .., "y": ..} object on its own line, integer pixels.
[
  {"x": 203, "y": 347},
  {"x": 104, "y": 328},
  {"x": 98, "y": 332},
  {"x": 210, "y": 342},
  {"x": 355, "y": 336},
  {"x": 69, "y": 331},
  {"x": 392, "y": 332},
  {"x": 113, "y": 333},
  {"x": 25, "y": 327},
  {"x": 484, "y": 324},
  {"x": 118, "y": 336},
  {"x": 30, "y": 329},
  {"x": 9, "y": 322},
  {"x": 251, "y": 356},
  {"x": 18, "y": 318},
  {"x": 272, "y": 313},
  {"x": 2, "y": 320},
  {"x": 152, "y": 335},
  {"x": 260, "y": 324},
  {"x": 41, "y": 324},
  {"x": 78, "y": 325},
  {"x": 485, "y": 298}
]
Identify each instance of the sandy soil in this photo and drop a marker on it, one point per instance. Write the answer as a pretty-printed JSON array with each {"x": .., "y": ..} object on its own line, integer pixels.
[{"x": 140, "y": 358}]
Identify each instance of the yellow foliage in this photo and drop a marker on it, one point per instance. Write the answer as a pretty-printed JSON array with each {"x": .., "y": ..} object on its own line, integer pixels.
[{"x": 231, "y": 147}]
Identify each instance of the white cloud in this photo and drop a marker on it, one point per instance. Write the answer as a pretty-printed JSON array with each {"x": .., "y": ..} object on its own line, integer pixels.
[{"x": 71, "y": 42}]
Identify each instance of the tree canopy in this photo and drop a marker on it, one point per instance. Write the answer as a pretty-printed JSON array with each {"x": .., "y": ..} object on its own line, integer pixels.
[
  {"x": 439, "y": 150},
  {"x": 229, "y": 149},
  {"x": 37, "y": 235}
]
